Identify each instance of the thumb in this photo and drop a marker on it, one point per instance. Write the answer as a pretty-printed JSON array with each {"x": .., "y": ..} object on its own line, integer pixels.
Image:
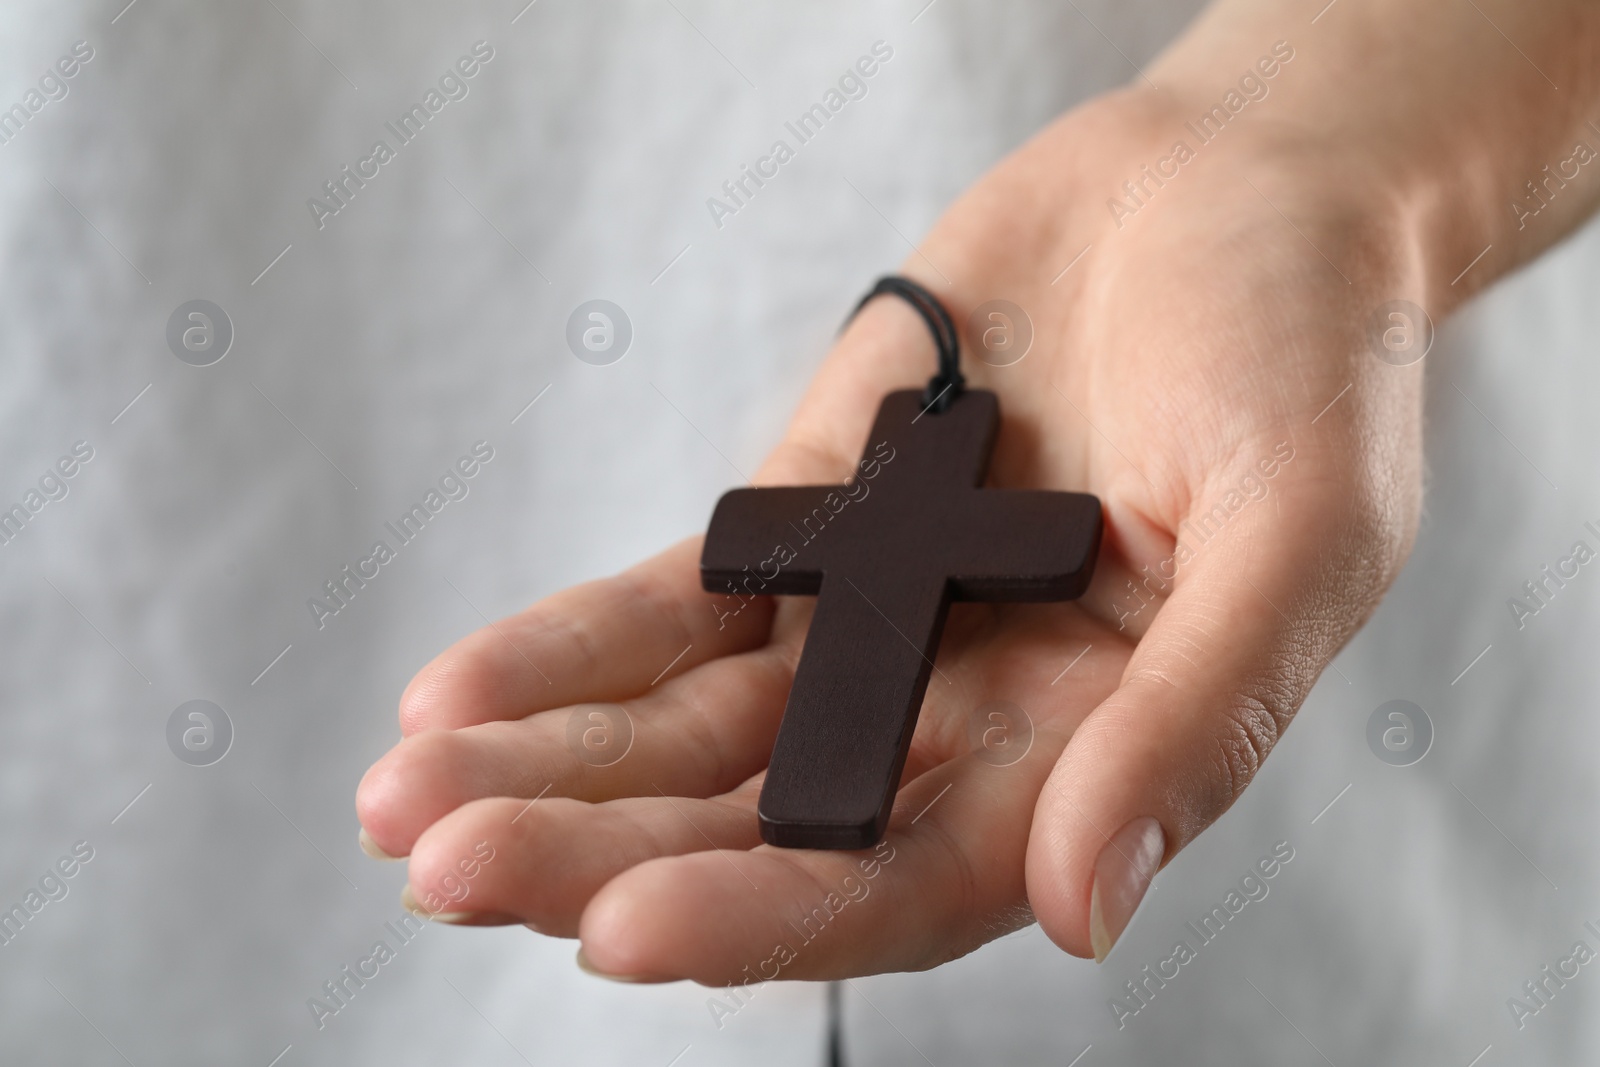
[{"x": 1256, "y": 611}]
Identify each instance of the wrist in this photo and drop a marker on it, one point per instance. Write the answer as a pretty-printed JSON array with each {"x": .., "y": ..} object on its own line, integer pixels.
[{"x": 1419, "y": 114}]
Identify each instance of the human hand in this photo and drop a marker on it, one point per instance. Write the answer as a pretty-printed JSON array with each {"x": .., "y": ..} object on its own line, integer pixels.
[{"x": 1204, "y": 368}]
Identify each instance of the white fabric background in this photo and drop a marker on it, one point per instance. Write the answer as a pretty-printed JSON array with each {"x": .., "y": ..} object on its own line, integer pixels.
[{"x": 180, "y": 562}]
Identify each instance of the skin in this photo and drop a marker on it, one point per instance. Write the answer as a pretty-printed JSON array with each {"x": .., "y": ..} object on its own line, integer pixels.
[{"x": 1223, "y": 322}]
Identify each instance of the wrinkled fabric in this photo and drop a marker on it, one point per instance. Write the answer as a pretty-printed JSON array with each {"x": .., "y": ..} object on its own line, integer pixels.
[{"x": 376, "y": 345}]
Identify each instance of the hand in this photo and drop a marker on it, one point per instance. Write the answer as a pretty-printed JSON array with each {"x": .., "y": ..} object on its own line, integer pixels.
[{"x": 1204, "y": 368}]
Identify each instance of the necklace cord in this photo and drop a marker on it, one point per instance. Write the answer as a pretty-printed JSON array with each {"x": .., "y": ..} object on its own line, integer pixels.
[{"x": 947, "y": 384}]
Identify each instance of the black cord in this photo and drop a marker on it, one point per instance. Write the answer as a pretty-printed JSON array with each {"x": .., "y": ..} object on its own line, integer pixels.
[
  {"x": 835, "y": 1027},
  {"x": 945, "y": 386}
]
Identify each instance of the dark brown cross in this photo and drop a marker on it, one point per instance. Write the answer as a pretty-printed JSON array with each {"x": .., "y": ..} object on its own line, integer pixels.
[{"x": 884, "y": 555}]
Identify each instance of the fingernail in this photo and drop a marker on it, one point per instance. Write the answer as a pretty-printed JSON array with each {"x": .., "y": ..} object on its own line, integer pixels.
[
  {"x": 370, "y": 847},
  {"x": 408, "y": 901},
  {"x": 1121, "y": 876},
  {"x": 587, "y": 966}
]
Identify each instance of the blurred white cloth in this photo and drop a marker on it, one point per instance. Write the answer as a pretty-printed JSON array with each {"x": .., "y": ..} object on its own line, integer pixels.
[{"x": 370, "y": 353}]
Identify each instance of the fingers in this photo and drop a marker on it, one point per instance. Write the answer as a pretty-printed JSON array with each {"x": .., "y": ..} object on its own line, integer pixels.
[
  {"x": 947, "y": 878},
  {"x": 602, "y": 641},
  {"x": 698, "y": 735},
  {"x": 540, "y": 862},
  {"x": 1255, "y": 615},
  {"x": 608, "y": 640},
  {"x": 957, "y": 845}
]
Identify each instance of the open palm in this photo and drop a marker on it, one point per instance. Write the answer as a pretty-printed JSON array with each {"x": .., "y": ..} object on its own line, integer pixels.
[{"x": 1203, "y": 368}]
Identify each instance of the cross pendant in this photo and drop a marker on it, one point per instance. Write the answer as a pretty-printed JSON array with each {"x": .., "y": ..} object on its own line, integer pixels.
[{"x": 885, "y": 555}]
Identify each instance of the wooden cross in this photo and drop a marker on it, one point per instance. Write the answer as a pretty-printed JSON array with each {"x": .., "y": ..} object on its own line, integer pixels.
[{"x": 885, "y": 554}]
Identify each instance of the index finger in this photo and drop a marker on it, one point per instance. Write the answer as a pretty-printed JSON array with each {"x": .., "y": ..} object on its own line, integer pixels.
[{"x": 604, "y": 640}]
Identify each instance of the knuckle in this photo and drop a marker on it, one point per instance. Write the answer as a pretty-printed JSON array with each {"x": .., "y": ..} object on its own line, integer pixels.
[
  {"x": 1377, "y": 520},
  {"x": 1368, "y": 495},
  {"x": 1384, "y": 523},
  {"x": 1249, "y": 730}
]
